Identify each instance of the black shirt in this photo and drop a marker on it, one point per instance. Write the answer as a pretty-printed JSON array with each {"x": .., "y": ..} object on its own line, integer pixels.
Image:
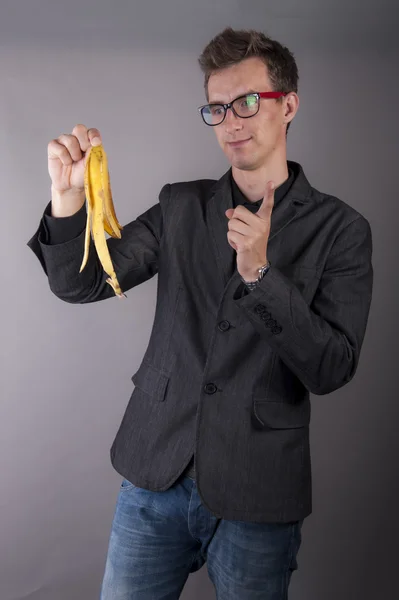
[{"x": 279, "y": 193}]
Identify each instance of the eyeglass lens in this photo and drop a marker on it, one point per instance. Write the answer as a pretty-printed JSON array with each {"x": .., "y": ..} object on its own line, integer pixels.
[{"x": 246, "y": 106}]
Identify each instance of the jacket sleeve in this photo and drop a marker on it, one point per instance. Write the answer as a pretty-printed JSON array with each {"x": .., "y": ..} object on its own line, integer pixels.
[
  {"x": 60, "y": 246},
  {"x": 320, "y": 343}
]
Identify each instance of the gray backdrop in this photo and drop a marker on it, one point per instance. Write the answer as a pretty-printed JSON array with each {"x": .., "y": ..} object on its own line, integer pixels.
[{"x": 129, "y": 68}]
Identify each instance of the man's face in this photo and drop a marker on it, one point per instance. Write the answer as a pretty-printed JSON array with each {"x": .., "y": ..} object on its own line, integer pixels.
[{"x": 265, "y": 131}]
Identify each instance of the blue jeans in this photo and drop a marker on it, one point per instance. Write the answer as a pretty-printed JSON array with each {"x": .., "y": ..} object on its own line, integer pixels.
[{"x": 158, "y": 538}]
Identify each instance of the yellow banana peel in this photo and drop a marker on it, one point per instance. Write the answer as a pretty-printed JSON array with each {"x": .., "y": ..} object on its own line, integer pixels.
[{"x": 101, "y": 215}]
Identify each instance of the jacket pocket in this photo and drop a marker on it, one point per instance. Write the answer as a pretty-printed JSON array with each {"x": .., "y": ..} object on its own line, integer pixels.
[
  {"x": 280, "y": 415},
  {"x": 152, "y": 381}
]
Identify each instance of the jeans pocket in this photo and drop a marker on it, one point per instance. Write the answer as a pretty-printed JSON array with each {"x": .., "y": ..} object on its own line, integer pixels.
[{"x": 126, "y": 485}]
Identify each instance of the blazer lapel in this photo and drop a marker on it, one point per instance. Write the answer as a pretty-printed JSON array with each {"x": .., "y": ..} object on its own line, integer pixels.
[{"x": 221, "y": 199}]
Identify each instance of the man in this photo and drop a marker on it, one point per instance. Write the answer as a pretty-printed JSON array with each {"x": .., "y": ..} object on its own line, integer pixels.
[{"x": 264, "y": 291}]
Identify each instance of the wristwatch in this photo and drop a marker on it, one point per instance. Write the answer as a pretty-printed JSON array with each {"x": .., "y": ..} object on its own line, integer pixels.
[{"x": 262, "y": 272}]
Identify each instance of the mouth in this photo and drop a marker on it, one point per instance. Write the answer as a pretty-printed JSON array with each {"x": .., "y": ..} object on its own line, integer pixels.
[{"x": 239, "y": 143}]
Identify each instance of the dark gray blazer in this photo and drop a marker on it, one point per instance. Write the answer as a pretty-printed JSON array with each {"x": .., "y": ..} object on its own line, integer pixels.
[{"x": 228, "y": 372}]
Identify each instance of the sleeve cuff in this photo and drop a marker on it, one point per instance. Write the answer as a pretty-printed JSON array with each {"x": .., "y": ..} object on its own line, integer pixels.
[
  {"x": 270, "y": 298},
  {"x": 63, "y": 229}
]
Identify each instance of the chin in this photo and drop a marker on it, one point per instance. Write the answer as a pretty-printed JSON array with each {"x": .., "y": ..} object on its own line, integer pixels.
[{"x": 244, "y": 163}]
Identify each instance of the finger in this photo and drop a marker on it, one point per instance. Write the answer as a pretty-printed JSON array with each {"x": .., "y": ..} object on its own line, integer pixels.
[
  {"x": 239, "y": 227},
  {"x": 72, "y": 144},
  {"x": 235, "y": 238},
  {"x": 243, "y": 214},
  {"x": 268, "y": 201},
  {"x": 232, "y": 244},
  {"x": 94, "y": 137},
  {"x": 60, "y": 148},
  {"x": 86, "y": 137}
]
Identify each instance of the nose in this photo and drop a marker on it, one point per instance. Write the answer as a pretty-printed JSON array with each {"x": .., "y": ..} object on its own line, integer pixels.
[{"x": 231, "y": 121}]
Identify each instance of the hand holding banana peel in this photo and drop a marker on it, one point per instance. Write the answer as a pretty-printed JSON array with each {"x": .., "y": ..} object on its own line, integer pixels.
[{"x": 78, "y": 167}]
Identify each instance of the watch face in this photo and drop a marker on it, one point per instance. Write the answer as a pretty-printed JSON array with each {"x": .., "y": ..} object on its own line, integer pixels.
[{"x": 264, "y": 270}]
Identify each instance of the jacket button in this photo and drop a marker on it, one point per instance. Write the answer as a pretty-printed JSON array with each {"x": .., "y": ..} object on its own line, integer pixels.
[
  {"x": 270, "y": 323},
  {"x": 277, "y": 329},
  {"x": 210, "y": 388},
  {"x": 265, "y": 316},
  {"x": 259, "y": 309},
  {"x": 224, "y": 325}
]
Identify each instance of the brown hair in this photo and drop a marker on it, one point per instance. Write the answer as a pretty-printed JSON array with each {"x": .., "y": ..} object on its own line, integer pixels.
[{"x": 232, "y": 46}]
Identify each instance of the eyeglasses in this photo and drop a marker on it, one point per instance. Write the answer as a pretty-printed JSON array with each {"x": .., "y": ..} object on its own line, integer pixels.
[{"x": 244, "y": 107}]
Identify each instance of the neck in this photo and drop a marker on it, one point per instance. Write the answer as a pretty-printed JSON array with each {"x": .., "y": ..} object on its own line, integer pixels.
[{"x": 253, "y": 183}]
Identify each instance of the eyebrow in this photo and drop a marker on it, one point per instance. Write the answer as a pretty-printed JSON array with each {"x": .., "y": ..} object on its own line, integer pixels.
[{"x": 250, "y": 91}]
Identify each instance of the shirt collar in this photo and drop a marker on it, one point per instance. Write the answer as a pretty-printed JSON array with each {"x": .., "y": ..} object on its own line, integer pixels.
[{"x": 279, "y": 193}]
